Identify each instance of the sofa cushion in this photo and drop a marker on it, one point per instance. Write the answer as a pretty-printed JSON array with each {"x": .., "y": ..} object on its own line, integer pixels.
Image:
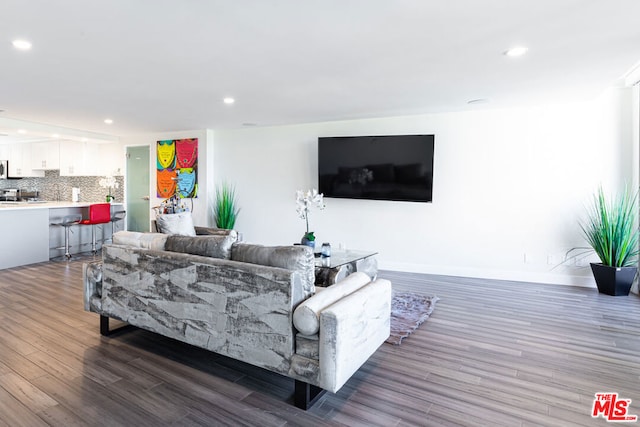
[
  {"x": 306, "y": 317},
  {"x": 178, "y": 223},
  {"x": 297, "y": 258},
  {"x": 155, "y": 241},
  {"x": 212, "y": 246}
]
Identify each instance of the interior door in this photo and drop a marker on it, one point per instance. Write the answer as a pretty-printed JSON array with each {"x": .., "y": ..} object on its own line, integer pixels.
[{"x": 138, "y": 208}]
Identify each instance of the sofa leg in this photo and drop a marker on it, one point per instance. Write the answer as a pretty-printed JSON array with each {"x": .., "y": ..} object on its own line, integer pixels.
[
  {"x": 104, "y": 327},
  {"x": 306, "y": 395}
]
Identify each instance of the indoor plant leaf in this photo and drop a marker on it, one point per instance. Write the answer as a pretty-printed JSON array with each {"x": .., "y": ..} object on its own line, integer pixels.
[
  {"x": 611, "y": 228},
  {"x": 225, "y": 209}
]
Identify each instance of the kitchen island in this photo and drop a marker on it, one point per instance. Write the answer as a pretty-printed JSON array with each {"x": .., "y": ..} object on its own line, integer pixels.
[{"x": 30, "y": 237}]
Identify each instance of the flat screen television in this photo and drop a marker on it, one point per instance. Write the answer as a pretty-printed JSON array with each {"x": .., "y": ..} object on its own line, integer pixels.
[{"x": 389, "y": 167}]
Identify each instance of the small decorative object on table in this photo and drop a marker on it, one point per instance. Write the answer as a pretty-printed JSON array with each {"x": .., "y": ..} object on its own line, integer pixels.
[
  {"x": 326, "y": 250},
  {"x": 304, "y": 200},
  {"x": 110, "y": 183}
]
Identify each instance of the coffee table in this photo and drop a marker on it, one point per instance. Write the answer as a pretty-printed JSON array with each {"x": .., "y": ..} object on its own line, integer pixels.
[{"x": 340, "y": 264}]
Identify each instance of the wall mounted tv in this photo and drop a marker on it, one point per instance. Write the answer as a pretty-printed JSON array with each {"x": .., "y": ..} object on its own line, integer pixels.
[{"x": 389, "y": 167}]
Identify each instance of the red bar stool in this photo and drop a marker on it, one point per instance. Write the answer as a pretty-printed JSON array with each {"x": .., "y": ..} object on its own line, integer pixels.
[{"x": 99, "y": 213}]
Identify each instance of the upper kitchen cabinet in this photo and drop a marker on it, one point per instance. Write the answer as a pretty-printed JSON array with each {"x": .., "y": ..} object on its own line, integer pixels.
[
  {"x": 72, "y": 158},
  {"x": 32, "y": 148},
  {"x": 5, "y": 151},
  {"x": 45, "y": 155},
  {"x": 113, "y": 158},
  {"x": 90, "y": 159},
  {"x": 20, "y": 161}
]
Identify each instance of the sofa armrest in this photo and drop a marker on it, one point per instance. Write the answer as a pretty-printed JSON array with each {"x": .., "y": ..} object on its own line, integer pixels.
[{"x": 351, "y": 330}]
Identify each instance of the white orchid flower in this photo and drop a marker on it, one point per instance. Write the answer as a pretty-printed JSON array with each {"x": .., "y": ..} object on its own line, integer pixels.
[{"x": 306, "y": 199}]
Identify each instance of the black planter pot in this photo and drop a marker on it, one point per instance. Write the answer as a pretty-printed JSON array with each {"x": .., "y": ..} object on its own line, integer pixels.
[{"x": 614, "y": 281}]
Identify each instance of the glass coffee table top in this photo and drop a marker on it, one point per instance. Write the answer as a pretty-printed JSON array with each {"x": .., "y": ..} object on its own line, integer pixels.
[{"x": 339, "y": 258}]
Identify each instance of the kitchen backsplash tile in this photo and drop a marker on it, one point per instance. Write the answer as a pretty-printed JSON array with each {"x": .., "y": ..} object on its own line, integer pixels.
[{"x": 54, "y": 187}]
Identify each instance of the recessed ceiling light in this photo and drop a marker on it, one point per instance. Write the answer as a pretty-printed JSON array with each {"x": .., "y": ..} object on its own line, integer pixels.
[
  {"x": 84, "y": 139},
  {"x": 22, "y": 131},
  {"x": 516, "y": 51},
  {"x": 228, "y": 100},
  {"x": 21, "y": 44},
  {"x": 55, "y": 135},
  {"x": 108, "y": 121}
]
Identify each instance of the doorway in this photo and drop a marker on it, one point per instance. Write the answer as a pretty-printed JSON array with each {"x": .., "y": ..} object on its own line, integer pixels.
[{"x": 138, "y": 209}]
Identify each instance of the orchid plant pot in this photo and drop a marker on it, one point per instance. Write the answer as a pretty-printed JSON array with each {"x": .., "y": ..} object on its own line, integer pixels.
[{"x": 307, "y": 241}]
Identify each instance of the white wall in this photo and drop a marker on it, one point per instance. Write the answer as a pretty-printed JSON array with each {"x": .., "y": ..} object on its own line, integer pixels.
[{"x": 509, "y": 187}]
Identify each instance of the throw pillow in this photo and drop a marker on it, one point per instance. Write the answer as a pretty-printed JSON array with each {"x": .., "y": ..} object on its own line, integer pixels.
[
  {"x": 155, "y": 241},
  {"x": 209, "y": 246},
  {"x": 179, "y": 223},
  {"x": 295, "y": 258}
]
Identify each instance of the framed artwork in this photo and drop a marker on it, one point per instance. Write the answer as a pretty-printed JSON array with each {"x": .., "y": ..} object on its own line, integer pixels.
[{"x": 177, "y": 168}]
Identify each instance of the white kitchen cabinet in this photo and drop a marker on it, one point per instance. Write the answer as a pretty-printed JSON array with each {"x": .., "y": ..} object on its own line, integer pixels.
[
  {"x": 112, "y": 159},
  {"x": 45, "y": 155},
  {"x": 20, "y": 155},
  {"x": 90, "y": 159},
  {"x": 94, "y": 164},
  {"x": 5, "y": 151},
  {"x": 72, "y": 158}
]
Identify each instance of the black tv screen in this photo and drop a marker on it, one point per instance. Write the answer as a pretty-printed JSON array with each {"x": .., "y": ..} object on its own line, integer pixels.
[{"x": 389, "y": 167}]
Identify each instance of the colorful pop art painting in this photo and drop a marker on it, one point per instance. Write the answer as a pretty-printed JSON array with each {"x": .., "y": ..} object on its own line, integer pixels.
[{"x": 177, "y": 168}]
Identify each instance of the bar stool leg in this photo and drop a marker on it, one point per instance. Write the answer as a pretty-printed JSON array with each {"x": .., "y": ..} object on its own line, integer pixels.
[
  {"x": 93, "y": 239},
  {"x": 67, "y": 254},
  {"x": 113, "y": 229}
]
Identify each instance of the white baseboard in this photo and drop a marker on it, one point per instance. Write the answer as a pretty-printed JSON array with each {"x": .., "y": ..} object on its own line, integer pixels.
[{"x": 518, "y": 276}]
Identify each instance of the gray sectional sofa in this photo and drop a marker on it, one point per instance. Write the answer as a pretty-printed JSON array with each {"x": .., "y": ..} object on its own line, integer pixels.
[{"x": 250, "y": 302}]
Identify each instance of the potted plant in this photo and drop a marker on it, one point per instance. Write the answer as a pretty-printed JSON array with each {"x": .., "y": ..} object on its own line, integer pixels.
[
  {"x": 111, "y": 183},
  {"x": 611, "y": 229},
  {"x": 304, "y": 201},
  {"x": 225, "y": 209}
]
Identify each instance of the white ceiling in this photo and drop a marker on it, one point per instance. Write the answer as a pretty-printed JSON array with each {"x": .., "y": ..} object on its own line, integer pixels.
[{"x": 166, "y": 65}]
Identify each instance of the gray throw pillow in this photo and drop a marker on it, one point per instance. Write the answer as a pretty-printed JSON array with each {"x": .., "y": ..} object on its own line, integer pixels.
[
  {"x": 137, "y": 239},
  {"x": 296, "y": 258},
  {"x": 210, "y": 246},
  {"x": 179, "y": 223}
]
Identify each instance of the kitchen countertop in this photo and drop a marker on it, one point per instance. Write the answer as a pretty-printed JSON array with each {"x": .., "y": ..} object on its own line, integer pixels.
[{"x": 5, "y": 206}]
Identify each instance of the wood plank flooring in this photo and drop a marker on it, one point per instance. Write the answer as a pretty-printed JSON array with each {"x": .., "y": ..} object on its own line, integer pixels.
[{"x": 492, "y": 353}]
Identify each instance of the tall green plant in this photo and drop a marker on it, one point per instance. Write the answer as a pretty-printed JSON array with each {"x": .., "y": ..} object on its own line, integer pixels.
[
  {"x": 225, "y": 210},
  {"x": 611, "y": 228}
]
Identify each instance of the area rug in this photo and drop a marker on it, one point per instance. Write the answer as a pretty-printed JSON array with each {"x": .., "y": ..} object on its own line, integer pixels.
[{"x": 408, "y": 311}]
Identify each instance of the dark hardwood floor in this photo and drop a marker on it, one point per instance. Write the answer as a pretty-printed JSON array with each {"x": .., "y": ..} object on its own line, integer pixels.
[{"x": 492, "y": 353}]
